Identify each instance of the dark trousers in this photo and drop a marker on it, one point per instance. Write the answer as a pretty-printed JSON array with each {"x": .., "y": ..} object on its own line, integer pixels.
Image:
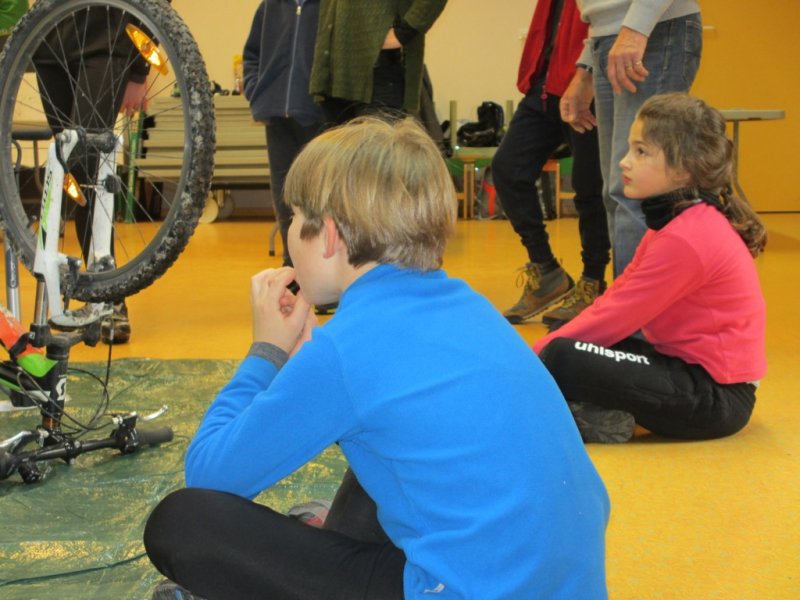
[
  {"x": 388, "y": 92},
  {"x": 534, "y": 132},
  {"x": 285, "y": 138},
  {"x": 222, "y": 546},
  {"x": 665, "y": 395},
  {"x": 88, "y": 94}
]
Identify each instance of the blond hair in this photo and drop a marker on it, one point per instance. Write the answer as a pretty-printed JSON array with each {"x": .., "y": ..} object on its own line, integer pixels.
[
  {"x": 692, "y": 136},
  {"x": 386, "y": 187}
]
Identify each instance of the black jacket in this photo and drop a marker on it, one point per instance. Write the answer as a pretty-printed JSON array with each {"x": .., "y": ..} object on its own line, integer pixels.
[{"x": 277, "y": 61}]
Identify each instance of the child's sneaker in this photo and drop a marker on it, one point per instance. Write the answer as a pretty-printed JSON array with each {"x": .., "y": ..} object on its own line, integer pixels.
[
  {"x": 540, "y": 291},
  {"x": 602, "y": 425}
]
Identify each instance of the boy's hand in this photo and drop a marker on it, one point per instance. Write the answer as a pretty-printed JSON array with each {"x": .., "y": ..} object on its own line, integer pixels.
[
  {"x": 279, "y": 316},
  {"x": 305, "y": 334}
]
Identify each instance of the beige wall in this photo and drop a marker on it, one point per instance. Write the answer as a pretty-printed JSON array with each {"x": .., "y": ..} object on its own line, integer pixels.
[
  {"x": 750, "y": 60},
  {"x": 473, "y": 53},
  {"x": 220, "y": 29},
  {"x": 471, "y": 56}
]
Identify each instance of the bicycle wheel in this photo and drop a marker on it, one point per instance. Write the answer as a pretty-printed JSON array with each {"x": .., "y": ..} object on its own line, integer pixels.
[{"x": 67, "y": 65}]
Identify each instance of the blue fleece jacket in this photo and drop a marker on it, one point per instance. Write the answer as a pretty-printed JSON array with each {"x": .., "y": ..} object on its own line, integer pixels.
[
  {"x": 449, "y": 422},
  {"x": 277, "y": 59}
]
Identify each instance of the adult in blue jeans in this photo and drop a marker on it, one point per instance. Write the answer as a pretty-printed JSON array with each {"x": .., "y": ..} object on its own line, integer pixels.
[{"x": 635, "y": 50}]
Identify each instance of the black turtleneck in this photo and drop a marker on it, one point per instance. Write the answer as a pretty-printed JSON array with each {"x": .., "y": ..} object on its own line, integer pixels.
[{"x": 660, "y": 210}]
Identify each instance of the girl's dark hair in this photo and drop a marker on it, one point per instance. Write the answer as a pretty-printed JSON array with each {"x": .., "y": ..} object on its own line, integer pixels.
[{"x": 692, "y": 136}]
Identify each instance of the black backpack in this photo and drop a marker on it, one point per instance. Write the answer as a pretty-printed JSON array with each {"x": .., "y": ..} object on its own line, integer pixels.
[{"x": 488, "y": 131}]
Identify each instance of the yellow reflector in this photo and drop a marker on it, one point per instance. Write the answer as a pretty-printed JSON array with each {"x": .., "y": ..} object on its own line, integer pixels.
[
  {"x": 73, "y": 190},
  {"x": 148, "y": 49}
]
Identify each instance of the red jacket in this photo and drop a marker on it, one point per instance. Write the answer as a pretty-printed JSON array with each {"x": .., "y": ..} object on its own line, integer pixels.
[{"x": 567, "y": 48}]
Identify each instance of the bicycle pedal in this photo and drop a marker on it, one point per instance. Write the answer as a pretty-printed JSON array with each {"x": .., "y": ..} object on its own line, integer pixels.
[{"x": 89, "y": 313}]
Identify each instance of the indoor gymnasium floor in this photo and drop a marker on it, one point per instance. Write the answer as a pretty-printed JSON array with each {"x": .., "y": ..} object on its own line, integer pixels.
[{"x": 690, "y": 520}]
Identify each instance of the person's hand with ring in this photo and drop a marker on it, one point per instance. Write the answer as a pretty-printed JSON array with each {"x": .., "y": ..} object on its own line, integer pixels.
[{"x": 625, "y": 61}]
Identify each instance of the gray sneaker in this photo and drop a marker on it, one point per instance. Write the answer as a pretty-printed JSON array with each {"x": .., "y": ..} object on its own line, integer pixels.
[
  {"x": 540, "y": 291},
  {"x": 169, "y": 590},
  {"x": 579, "y": 299},
  {"x": 602, "y": 425}
]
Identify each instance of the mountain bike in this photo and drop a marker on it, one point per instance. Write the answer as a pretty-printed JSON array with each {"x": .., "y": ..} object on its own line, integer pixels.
[{"x": 129, "y": 225}]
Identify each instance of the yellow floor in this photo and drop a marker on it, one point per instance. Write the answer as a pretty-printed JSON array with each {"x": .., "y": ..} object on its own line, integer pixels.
[{"x": 699, "y": 520}]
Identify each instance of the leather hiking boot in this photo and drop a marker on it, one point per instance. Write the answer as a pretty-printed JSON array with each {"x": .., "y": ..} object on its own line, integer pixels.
[
  {"x": 540, "y": 291},
  {"x": 116, "y": 329},
  {"x": 583, "y": 294}
]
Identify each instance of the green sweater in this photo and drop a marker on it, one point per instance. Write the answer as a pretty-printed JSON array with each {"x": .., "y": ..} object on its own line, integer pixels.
[
  {"x": 10, "y": 12},
  {"x": 349, "y": 39}
]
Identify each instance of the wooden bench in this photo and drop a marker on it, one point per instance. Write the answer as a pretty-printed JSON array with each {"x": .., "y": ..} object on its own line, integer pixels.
[
  {"x": 240, "y": 160},
  {"x": 241, "y": 153}
]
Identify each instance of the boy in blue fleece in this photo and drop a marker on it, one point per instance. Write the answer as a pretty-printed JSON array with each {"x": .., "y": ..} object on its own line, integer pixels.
[{"x": 452, "y": 427}]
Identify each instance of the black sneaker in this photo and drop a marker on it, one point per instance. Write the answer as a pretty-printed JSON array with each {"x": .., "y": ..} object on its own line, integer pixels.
[
  {"x": 116, "y": 329},
  {"x": 169, "y": 590},
  {"x": 602, "y": 425}
]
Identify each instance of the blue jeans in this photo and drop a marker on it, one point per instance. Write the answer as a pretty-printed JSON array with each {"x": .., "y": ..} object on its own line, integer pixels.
[{"x": 672, "y": 58}]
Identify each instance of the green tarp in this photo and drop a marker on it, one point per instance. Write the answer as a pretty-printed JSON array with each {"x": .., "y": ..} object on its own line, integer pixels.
[{"x": 78, "y": 533}]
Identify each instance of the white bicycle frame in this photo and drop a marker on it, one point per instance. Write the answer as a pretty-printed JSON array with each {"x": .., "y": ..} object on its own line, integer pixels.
[{"x": 49, "y": 262}]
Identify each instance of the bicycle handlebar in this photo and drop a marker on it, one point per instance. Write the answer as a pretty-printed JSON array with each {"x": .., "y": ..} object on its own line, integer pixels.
[
  {"x": 126, "y": 439},
  {"x": 152, "y": 437}
]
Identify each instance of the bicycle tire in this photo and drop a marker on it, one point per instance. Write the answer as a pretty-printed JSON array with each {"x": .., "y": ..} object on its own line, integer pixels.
[{"x": 162, "y": 227}]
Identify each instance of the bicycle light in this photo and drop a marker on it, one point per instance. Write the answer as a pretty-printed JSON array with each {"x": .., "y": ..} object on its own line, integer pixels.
[
  {"x": 147, "y": 48},
  {"x": 73, "y": 190}
]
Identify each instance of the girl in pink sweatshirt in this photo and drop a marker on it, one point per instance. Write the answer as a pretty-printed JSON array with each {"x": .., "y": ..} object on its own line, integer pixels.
[{"x": 676, "y": 344}]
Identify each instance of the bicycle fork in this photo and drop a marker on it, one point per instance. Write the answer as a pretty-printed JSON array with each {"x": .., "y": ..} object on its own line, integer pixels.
[{"x": 49, "y": 262}]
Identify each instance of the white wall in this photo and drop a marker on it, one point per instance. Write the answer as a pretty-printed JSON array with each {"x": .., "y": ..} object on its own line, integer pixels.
[{"x": 220, "y": 29}]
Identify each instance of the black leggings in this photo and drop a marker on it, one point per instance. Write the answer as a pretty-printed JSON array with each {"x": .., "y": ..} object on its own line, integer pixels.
[
  {"x": 665, "y": 395},
  {"x": 219, "y": 545}
]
